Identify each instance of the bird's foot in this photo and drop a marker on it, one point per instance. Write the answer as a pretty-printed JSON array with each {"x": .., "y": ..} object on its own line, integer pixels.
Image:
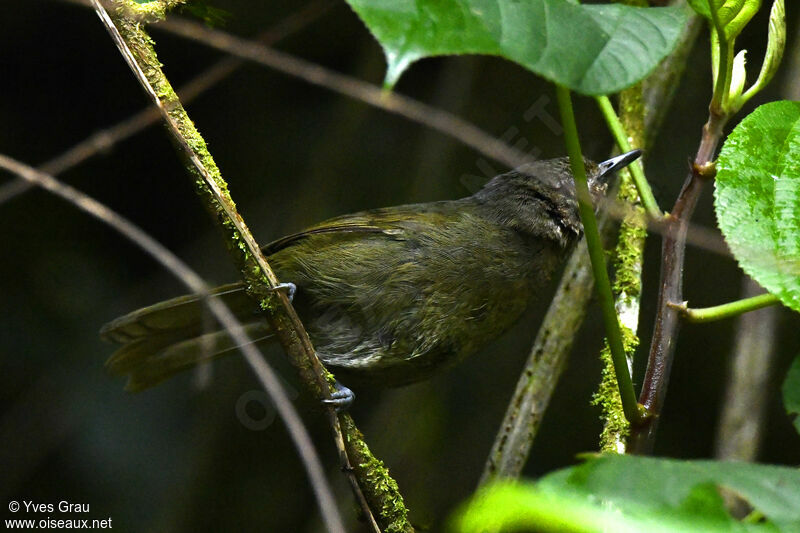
[
  {"x": 290, "y": 289},
  {"x": 342, "y": 399}
]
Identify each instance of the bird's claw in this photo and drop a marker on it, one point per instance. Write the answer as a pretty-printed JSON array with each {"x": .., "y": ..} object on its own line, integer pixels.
[
  {"x": 290, "y": 289},
  {"x": 342, "y": 399}
]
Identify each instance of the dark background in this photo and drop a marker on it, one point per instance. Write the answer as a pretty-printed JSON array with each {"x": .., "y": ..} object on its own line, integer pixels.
[{"x": 178, "y": 458}]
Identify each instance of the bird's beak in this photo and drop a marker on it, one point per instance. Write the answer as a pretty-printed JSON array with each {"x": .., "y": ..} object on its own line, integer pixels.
[{"x": 608, "y": 167}]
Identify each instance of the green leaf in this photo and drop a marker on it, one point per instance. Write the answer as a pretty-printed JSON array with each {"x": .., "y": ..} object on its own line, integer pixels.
[
  {"x": 701, "y": 7},
  {"x": 791, "y": 393},
  {"x": 674, "y": 484},
  {"x": 757, "y": 197},
  {"x": 776, "y": 42},
  {"x": 592, "y": 49},
  {"x": 729, "y": 17},
  {"x": 623, "y": 493}
]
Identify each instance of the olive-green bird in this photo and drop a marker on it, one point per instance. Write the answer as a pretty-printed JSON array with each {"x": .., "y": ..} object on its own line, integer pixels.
[{"x": 389, "y": 295}]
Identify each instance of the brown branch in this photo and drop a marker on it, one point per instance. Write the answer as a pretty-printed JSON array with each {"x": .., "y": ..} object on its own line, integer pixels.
[
  {"x": 104, "y": 140},
  {"x": 543, "y": 368},
  {"x": 260, "y": 281},
  {"x": 392, "y": 102},
  {"x": 192, "y": 280},
  {"x": 662, "y": 347}
]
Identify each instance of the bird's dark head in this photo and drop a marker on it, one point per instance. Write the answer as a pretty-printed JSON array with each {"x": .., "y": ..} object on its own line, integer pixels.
[{"x": 539, "y": 198}]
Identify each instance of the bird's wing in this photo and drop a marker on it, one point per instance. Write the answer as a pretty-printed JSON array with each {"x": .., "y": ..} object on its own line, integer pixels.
[
  {"x": 354, "y": 227},
  {"x": 392, "y": 222}
]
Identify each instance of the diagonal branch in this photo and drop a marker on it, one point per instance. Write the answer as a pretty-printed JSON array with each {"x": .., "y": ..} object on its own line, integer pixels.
[
  {"x": 192, "y": 280},
  {"x": 673, "y": 251},
  {"x": 105, "y": 139},
  {"x": 392, "y": 102},
  {"x": 261, "y": 283},
  {"x": 437, "y": 119}
]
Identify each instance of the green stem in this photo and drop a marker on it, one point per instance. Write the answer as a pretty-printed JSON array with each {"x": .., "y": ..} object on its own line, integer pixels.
[
  {"x": 722, "y": 85},
  {"x": 731, "y": 309},
  {"x": 621, "y": 138},
  {"x": 597, "y": 256}
]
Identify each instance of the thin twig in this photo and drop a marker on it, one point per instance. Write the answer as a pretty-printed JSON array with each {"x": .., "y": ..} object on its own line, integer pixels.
[
  {"x": 636, "y": 169},
  {"x": 104, "y": 140},
  {"x": 728, "y": 310},
  {"x": 269, "y": 380},
  {"x": 392, "y": 102},
  {"x": 260, "y": 281}
]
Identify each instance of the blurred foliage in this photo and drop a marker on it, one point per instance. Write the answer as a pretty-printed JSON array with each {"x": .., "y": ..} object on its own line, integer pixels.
[
  {"x": 791, "y": 393},
  {"x": 177, "y": 458},
  {"x": 626, "y": 493}
]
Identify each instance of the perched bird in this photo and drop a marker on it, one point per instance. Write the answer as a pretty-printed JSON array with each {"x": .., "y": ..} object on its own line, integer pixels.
[{"x": 389, "y": 295}]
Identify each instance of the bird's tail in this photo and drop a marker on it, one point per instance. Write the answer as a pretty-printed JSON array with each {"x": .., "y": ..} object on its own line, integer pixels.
[{"x": 163, "y": 339}]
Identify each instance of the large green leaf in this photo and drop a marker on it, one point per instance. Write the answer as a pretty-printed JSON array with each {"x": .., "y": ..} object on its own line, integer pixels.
[
  {"x": 757, "y": 197},
  {"x": 639, "y": 494},
  {"x": 791, "y": 393},
  {"x": 592, "y": 49}
]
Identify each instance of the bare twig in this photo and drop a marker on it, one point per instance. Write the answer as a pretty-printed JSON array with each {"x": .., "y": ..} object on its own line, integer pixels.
[
  {"x": 392, "y": 102},
  {"x": 260, "y": 281},
  {"x": 543, "y": 369},
  {"x": 269, "y": 380},
  {"x": 437, "y": 119},
  {"x": 662, "y": 347},
  {"x": 104, "y": 140}
]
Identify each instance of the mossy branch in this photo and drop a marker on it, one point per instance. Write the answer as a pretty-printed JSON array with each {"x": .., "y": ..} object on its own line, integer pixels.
[
  {"x": 628, "y": 259},
  {"x": 568, "y": 308},
  {"x": 260, "y": 281},
  {"x": 633, "y": 411}
]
